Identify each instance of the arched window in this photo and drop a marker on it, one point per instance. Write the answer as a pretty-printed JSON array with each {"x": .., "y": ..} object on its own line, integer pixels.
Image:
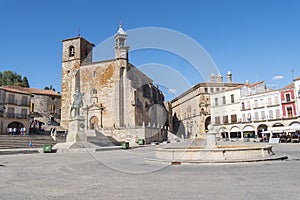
[{"x": 71, "y": 51}]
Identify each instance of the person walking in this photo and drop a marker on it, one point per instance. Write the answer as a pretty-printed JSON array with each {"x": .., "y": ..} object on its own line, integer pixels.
[{"x": 14, "y": 131}]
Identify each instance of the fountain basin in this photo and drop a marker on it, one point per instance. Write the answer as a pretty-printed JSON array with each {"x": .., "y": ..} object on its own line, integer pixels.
[{"x": 217, "y": 153}]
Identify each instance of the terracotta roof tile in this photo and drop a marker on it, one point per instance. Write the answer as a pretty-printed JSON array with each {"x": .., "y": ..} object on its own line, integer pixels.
[
  {"x": 290, "y": 86},
  {"x": 23, "y": 90}
]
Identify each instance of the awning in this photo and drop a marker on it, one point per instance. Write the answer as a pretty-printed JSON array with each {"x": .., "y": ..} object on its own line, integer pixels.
[
  {"x": 235, "y": 129},
  {"x": 248, "y": 128},
  {"x": 282, "y": 129}
]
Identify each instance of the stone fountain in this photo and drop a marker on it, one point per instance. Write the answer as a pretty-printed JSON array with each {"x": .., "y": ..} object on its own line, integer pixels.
[{"x": 211, "y": 152}]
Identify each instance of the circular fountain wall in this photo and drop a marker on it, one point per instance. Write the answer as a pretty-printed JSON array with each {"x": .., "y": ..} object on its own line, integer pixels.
[
  {"x": 219, "y": 153},
  {"x": 211, "y": 152}
]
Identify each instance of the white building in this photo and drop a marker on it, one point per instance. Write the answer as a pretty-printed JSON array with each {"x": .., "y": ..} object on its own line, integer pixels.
[
  {"x": 297, "y": 94},
  {"x": 225, "y": 111}
]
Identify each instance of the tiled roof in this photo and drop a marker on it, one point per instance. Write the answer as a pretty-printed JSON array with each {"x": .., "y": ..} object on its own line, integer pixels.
[
  {"x": 290, "y": 86},
  {"x": 23, "y": 90},
  {"x": 297, "y": 79}
]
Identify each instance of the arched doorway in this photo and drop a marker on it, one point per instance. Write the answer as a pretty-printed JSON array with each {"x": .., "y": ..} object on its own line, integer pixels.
[
  {"x": 17, "y": 125},
  {"x": 94, "y": 121},
  {"x": 207, "y": 122},
  {"x": 260, "y": 129},
  {"x": 248, "y": 132},
  {"x": 235, "y": 132}
]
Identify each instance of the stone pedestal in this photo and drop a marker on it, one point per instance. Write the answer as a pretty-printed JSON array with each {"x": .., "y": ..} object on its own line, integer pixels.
[
  {"x": 77, "y": 130},
  {"x": 211, "y": 139}
]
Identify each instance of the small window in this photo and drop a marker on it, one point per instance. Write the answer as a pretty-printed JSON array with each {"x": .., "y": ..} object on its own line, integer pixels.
[
  {"x": 32, "y": 107},
  {"x": 270, "y": 101},
  {"x": 287, "y": 97},
  {"x": 243, "y": 106},
  {"x": 256, "y": 115},
  {"x": 255, "y": 104},
  {"x": 52, "y": 108},
  {"x": 86, "y": 52},
  {"x": 277, "y": 112},
  {"x": 216, "y": 101},
  {"x": 217, "y": 120},
  {"x": 289, "y": 111},
  {"x": 225, "y": 119},
  {"x": 233, "y": 118},
  {"x": 276, "y": 100},
  {"x": 232, "y": 98},
  {"x": 263, "y": 115},
  {"x": 270, "y": 114},
  {"x": 206, "y": 90},
  {"x": 71, "y": 51},
  {"x": 224, "y": 100},
  {"x": 94, "y": 74}
]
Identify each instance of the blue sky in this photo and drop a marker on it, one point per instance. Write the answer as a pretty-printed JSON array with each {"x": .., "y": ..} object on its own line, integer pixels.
[{"x": 254, "y": 39}]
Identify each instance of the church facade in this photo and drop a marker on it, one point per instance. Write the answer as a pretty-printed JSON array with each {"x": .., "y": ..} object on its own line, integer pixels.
[{"x": 117, "y": 95}]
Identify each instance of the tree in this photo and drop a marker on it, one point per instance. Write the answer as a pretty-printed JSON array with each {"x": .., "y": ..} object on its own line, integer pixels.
[
  {"x": 25, "y": 82},
  {"x": 12, "y": 78},
  {"x": 49, "y": 88}
]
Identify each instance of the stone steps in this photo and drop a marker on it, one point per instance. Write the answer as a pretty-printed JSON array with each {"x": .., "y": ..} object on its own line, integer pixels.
[
  {"x": 102, "y": 140},
  {"x": 15, "y": 142}
]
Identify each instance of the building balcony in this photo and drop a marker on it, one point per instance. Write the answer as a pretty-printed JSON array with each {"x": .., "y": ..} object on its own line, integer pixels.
[
  {"x": 245, "y": 109},
  {"x": 258, "y": 107},
  {"x": 273, "y": 105},
  {"x": 11, "y": 102},
  {"x": 24, "y": 103},
  {"x": 287, "y": 102}
]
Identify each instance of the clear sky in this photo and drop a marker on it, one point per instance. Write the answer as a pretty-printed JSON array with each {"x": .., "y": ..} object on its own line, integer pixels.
[{"x": 254, "y": 39}]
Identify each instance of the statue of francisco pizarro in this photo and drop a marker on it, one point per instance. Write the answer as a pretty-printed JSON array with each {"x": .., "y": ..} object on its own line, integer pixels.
[{"x": 77, "y": 102}]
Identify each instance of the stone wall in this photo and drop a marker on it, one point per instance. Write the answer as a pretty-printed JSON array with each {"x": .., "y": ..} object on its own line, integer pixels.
[{"x": 132, "y": 135}]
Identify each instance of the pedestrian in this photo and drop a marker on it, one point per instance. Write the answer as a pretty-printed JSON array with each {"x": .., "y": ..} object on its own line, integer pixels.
[
  {"x": 14, "y": 131},
  {"x": 10, "y": 131},
  {"x": 21, "y": 131},
  {"x": 30, "y": 144}
]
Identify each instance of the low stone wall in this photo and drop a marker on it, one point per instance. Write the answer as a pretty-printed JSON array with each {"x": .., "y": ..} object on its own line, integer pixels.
[{"x": 132, "y": 135}]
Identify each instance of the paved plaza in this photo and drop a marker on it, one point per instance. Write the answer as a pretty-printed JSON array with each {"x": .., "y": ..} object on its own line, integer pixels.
[{"x": 127, "y": 174}]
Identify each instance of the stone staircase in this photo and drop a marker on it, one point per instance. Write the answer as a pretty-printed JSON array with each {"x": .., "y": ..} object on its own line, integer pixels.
[
  {"x": 99, "y": 139},
  {"x": 22, "y": 142}
]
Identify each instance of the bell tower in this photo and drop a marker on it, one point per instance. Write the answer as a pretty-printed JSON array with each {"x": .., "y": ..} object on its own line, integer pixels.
[
  {"x": 75, "y": 52},
  {"x": 121, "y": 47}
]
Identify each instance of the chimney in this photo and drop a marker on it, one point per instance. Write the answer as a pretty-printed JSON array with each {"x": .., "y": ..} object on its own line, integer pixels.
[
  {"x": 229, "y": 77},
  {"x": 220, "y": 78},
  {"x": 212, "y": 78}
]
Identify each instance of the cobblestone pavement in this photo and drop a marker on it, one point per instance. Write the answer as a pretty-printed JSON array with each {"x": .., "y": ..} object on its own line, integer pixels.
[{"x": 126, "y": 174}]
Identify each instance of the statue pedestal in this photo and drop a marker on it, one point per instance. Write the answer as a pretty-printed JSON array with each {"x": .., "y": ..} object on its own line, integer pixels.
[
  {"x": 211, "y": 139},
  {"x": 77, "y": 130}
]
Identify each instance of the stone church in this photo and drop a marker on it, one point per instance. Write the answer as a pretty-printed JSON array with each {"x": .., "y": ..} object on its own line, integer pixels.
[{"x": 119, "y": 100}]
